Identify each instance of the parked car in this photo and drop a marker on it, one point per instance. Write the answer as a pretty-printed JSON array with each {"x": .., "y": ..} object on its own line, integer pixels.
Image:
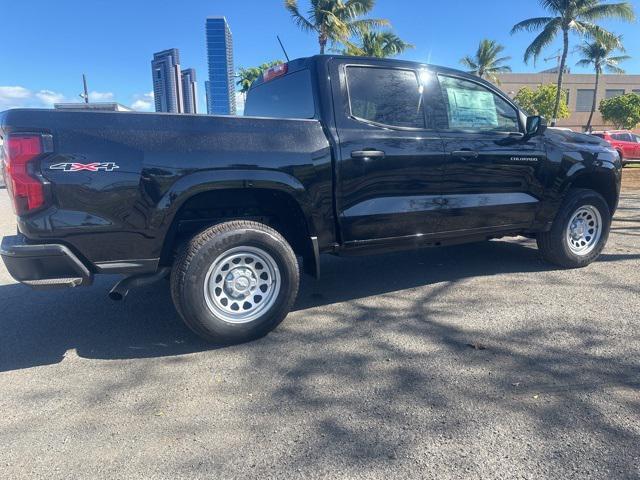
[
  {"x": 626, "y": 143},
  {"x": 338, "y": 155}
]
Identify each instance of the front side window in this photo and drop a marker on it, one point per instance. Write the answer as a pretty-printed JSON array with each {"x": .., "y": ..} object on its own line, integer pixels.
[
  {"x": 386, "y": 96},
  {"x": 470, "y": 106}
]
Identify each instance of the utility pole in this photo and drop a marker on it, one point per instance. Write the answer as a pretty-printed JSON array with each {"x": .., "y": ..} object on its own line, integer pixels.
[{"x": 85, "y": 95}]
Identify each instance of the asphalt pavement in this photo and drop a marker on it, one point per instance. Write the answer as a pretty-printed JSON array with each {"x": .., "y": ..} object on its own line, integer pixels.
[{"x": 476, "y": 361}]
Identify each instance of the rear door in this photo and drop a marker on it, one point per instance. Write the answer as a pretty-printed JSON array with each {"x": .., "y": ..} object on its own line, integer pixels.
[
  {"x": 390, "y": 161},
  {"x": 626, "y": 143},
  {"x": 491, "y": 178}
]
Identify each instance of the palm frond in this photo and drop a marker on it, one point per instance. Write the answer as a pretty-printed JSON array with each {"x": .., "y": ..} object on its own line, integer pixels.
[
  {"x": 619, "y": 59},
  {"x": 469, "y": 63},
  {"x": 355, "y": 8},
  {"x": 500, "y": 69},
  {"x": 501, "y": 60},
  {"x": 543, "y": 40},
  {"x": 531, "y": 24},
  {"x": 614, "y": 69},
  {"x": 602, "y": 11},
  {"x": 298, "y": 18},
  {"x": 360, "y": 27},
  {"x": 584, "y": 63},
  {"x": 556, "y": 6}
]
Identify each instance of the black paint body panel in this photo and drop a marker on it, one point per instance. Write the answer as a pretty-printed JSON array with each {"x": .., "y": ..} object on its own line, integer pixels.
[{"x": 418, "y": 194}]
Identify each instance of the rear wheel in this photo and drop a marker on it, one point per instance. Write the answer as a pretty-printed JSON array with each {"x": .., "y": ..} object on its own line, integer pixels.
[
  {"x": 235, "y": 281},
  {"x": 622, "y": 160},
  {"x": 579, "y": 232}
]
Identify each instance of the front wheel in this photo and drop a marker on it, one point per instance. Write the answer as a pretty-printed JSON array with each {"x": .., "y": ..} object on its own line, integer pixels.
[
  {"x": 235, "y": 282},
  {"x": 579, "y": 232}
]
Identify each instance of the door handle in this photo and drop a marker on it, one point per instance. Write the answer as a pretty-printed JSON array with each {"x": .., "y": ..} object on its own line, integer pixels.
[
  {"x": 465, "y": 154},
  {"x": 366, "y": 154}
]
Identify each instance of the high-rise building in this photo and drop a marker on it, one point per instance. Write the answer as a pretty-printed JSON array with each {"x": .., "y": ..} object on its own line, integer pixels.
[
  {"x": 189, "y": 91},
  {"x": 207, "y": 86},
  {"x": 221, "y": 99},
  {"x": 167, "y": 83}
]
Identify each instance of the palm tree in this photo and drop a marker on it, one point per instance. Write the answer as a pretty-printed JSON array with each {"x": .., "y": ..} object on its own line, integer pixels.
[
  {"x": 378, "y": 44},
  {"x": 569, "y": 16},
  {"x": 335, "y": 20},
  {"x": 487, "y": 62},
  {"x": 599, "y": 55},
  {"x": 246, "y": 76}
]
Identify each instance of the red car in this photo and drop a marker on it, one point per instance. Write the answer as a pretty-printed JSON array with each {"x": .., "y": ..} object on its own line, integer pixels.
[{"x": 625, "y": 142}]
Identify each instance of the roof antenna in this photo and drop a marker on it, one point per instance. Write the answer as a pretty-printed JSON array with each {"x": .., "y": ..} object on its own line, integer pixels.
[{"x": 282, "y": 46}]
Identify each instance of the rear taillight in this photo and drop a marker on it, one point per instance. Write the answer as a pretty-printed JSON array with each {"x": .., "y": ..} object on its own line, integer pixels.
[{"x": 21, "y": 153}]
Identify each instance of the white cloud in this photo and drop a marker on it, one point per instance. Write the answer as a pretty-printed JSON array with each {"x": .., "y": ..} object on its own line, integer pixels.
[
  {"x": 21, "y": 97},
  {"x": 101, "y": 97},
  {"x": 143, "y": 102},
  {"x": 14, "y": 93},
  {"x": 48, "y": 98}
]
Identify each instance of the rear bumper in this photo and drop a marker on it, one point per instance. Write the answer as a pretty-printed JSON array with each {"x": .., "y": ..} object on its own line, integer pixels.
[{"x": 43, "y": 266}]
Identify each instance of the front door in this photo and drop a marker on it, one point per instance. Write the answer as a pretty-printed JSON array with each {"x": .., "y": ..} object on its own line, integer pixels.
[
  {"x": 390, "y": 163},
  {"x": 627, "y": 143},
  {"x": 492, "y": 177}
]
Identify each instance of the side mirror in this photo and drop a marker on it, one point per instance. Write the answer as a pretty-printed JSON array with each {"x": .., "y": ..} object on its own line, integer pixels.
[{"x": 536, "y": 125}]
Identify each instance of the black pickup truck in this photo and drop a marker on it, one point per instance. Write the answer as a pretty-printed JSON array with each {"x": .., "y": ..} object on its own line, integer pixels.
[{"x": 339, "y": 155}]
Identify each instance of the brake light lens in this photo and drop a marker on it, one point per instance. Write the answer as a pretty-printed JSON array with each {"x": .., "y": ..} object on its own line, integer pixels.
[
  {"x": 26, "y": 190},
  {"x": 275, "y": 71}
]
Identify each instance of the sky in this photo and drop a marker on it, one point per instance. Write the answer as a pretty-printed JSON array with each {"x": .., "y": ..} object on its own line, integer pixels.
[{"x": 46, "y": 46}]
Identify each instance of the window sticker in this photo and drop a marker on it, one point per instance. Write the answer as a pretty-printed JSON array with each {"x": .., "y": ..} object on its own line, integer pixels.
[{"x": 471, "y": 109}]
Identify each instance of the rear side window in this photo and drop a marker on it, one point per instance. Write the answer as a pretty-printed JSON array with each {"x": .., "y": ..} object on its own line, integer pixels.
[
  {"x": 473, "y": 107},
  {"x": 622, "y": 137},
  {"x": 386, "y": 96},
  {"x": 290, "y": 96}
]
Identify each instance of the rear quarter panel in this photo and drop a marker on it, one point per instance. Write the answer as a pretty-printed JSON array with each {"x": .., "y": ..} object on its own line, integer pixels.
[{"x": 162, "y": 160}]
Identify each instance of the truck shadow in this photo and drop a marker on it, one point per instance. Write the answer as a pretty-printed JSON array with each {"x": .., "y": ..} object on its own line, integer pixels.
[{"x": 40, "y": 327}]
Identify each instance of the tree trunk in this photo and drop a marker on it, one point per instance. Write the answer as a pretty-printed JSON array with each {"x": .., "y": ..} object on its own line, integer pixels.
[
  {"x": 322, "y": 39},
  {"x": 563, "y": 63},
  {"x": 595, "y": 95}
]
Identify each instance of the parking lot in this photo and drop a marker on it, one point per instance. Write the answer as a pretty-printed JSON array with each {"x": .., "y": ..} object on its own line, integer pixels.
[{"x": 477, "y": 361}]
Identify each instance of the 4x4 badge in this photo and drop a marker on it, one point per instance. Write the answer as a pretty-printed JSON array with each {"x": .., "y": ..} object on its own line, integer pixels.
[{"x": 89, "y": 167}]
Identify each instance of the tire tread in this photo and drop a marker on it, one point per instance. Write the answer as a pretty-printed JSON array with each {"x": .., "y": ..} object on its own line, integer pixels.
[{"x": 189, "y": 251}]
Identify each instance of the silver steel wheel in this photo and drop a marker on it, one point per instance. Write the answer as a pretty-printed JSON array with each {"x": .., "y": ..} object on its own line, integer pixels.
[
  {"x": 242, "y": 284},
  {"x": 584, "y": 230}
]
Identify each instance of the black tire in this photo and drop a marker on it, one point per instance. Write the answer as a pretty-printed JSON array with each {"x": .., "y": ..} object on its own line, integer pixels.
[
  {"x": 192, "y": 269},
  {"x": 622, "y": 161},
  {"x": 554, "y": 244}
]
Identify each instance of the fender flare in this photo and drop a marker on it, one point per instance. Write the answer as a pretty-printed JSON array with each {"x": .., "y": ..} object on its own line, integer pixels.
[
  {"x": 211, "y": 180},
  {"x": 205, "y": 181}
]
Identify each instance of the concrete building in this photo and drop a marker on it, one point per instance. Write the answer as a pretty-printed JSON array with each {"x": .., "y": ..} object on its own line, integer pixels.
[
  {"x": 580, "y": 88},
  {"x": 189, "y": 91},
  {"x": 221, "y": 99},
  {"x": 167, "y": 83},
  {"x": 207, "y": 87}
]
